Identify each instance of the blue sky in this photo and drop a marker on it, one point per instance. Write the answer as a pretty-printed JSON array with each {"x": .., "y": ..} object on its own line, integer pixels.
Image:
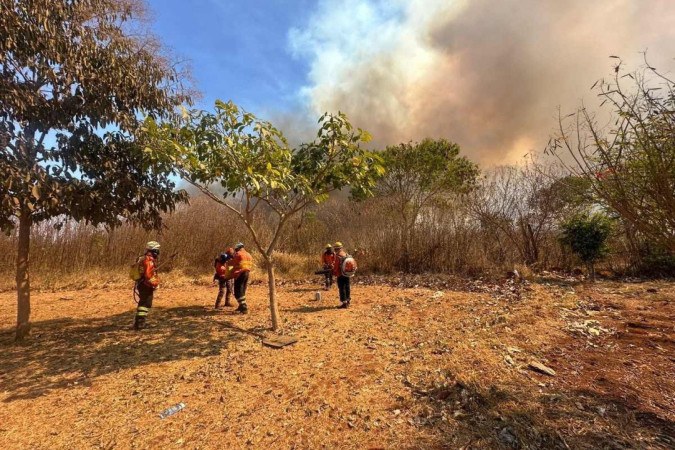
[{"x": 237, "y": 49}]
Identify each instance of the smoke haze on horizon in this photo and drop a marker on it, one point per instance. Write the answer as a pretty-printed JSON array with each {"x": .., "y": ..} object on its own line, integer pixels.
[{"x": 488, "y": 75}]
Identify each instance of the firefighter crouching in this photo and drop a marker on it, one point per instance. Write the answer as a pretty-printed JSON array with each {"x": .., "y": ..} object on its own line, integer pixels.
[
  {"x": 223, "y": 265},
  {"x": 148, "y": 282},
  {"x": 242, "y": 264}
]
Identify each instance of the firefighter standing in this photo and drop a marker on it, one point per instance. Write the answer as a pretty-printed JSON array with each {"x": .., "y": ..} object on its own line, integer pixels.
[
  {"x": 343, "y": 281},
  {"x": 223, "y": 266},
  {"x": 328, "y": 261},
  {"x": 146, "y": 285},
  {"x": 241, "y": 263}
]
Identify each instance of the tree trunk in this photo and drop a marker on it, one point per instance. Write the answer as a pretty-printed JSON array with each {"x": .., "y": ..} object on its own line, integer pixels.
[
  {"x": 534, "y": 244},
  {"x": 274, "y": 307},
  {"x": 407, "y": 238},
  {"x": 22, "y": 277},
  {"x": 591, "y": 271}
]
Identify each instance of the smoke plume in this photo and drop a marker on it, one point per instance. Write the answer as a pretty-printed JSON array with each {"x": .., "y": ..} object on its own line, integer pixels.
[{"x": 486, "y": 74}]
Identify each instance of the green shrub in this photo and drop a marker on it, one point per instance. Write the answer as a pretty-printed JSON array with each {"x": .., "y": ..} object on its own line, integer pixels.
[{"x": 586, "y": 235}]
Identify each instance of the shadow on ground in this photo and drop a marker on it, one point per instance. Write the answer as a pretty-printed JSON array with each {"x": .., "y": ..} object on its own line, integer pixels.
[
  {"x": 466, "y": 416},
  {"x": 311, "y": 309},
  {"x": 67, "y": 352}
]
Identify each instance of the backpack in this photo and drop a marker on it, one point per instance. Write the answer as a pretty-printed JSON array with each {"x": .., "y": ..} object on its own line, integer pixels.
[
  {"x": 135, "y": 270},
  {"x": 348, "y": 266}
]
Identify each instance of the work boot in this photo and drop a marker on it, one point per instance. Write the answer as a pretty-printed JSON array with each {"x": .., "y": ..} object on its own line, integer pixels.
[
  {"x": 217, "y": 306},
  {"x": 139, "y": 323},
  {"x": 228, "y": 302},
  {"x": 242, "y": 308},
  {"x": 343, "y": 305}
]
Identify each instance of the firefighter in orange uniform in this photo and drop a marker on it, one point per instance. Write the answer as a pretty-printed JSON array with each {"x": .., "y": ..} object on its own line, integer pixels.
[
  {"x": 328, "y": 261},
  {"x": 242, "y": 264},
  {"x": 343, "y": 282},
  {"x": 223, "y": 266},
  {"x": 147, "y": 284}
]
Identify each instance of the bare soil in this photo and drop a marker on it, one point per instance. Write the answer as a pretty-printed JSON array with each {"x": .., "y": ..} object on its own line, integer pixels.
[{"x": 402, "y": 368}]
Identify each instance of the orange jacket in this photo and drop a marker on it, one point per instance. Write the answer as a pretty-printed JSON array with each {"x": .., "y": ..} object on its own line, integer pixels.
[
  {"x": 149, "y": 270},
  {"x": 328, "y": 259},
  {"x": 337, "y": 267},
  {"x": 222, "y": 269},
  {"x": 242, "y": 262}
]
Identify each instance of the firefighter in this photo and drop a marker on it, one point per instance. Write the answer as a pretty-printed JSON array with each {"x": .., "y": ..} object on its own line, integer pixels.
[
  {"x": 146, "y": 285},
  {"x": 223, "y": 266},
  {"x": 343, "y": 282},
  {"x": 328, "y": 260},
  {"x": 241, "y": 266}
]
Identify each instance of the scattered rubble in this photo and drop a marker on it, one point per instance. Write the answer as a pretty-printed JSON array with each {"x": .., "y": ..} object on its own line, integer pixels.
[{"x": 588, "y": 328}]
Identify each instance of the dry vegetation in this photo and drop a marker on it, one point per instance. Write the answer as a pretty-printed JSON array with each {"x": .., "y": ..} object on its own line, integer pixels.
[
  {"x": 450, "y": 240},
  {"x": 403, "y": 368}
]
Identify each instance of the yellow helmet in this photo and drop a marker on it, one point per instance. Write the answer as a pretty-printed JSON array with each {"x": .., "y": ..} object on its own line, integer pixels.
[
  {"x": 338, "y": 244},
  {"x": 152, "y": 245},
  {"x": 329, "y": 246}
]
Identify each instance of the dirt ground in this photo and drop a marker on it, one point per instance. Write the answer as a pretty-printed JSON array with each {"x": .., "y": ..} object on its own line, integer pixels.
[{"x": 403, "y": 368}]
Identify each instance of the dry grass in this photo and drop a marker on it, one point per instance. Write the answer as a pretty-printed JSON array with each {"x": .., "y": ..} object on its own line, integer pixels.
[
  {"x": 294, "y": 266},
  {"x": 288, "y": 267},
  {"x": 448, "y": 242},
  {"x": 404, "y": 368}
]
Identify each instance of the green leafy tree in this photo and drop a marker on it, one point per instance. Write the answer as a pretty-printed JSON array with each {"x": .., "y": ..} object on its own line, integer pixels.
[
  {"x": 630, "y": 164},
  {"x": 421, "y": 175},
  {"x": 73, "y": 83},
  {"x": 586, "y": 235},
  {"x": 245, "y": 164}
]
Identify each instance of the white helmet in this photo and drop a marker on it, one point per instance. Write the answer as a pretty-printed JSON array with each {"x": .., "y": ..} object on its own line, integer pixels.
[{"x": 152, "y": 245}]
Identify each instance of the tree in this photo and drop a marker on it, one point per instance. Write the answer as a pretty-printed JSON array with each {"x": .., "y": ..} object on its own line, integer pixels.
[
  {"x": 522, "y": 205},
  {"x": 73, "y": 83},
  {"x": 630, "y": 164},
  {"x": 421, "y": 175},
  {"x": 586, "y": 235},
  {"x": 245, "y": 164}
]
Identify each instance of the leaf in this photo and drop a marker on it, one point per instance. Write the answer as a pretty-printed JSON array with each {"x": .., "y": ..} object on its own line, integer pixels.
[{"x": 36, "y": 192}]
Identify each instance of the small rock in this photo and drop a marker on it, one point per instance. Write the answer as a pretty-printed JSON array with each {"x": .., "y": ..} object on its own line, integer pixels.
[
  {"x": 508, "y": 437},
  {"x": 539, "y": 367}
]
